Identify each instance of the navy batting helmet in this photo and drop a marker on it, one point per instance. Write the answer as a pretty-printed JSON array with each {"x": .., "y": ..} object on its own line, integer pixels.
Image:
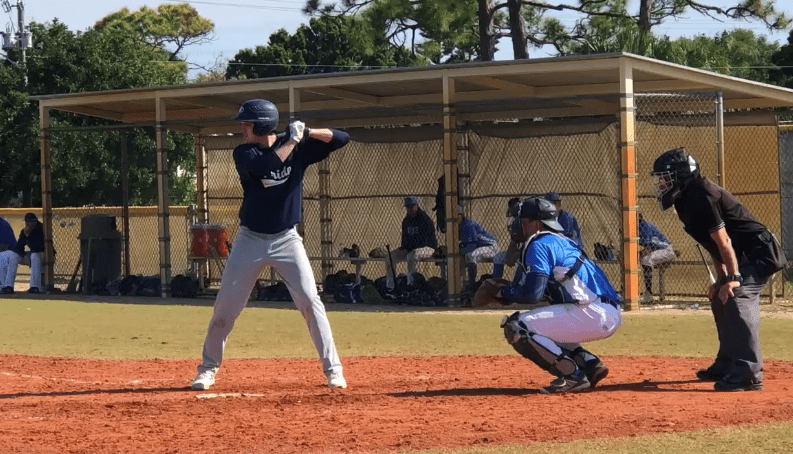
[
  {"x": 538, "y": 209},
  {"x": 673, "y": 170},
  {"x": 262, "y": 113}
]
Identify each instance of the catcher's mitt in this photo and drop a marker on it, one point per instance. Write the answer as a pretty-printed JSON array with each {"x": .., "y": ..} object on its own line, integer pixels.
[{"x": 486, "y": 293}]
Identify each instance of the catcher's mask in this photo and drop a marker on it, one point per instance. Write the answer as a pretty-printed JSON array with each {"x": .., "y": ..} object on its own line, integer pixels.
[{"x": 673, "y": 171}]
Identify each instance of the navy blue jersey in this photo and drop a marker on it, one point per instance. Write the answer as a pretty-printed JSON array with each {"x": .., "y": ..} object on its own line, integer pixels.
[
  {"x": 7, "y": 234},
  {"x": 418, "y": 231},
  {"x": 272, "y": 190},
  {"x": 34, "y": 241}
]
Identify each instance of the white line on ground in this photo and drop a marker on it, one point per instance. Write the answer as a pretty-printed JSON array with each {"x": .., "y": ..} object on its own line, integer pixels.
[
  {"x": 223, "y": 395},
  {"x": 71, "y": 380}
]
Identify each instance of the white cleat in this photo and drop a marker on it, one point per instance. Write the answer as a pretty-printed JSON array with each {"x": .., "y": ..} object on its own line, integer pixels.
[
  {"x": 204, "y": 380},
  {"x": 336, "y": 381}
]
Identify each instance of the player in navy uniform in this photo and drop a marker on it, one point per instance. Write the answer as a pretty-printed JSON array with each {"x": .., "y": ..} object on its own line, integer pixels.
[
  {"x": 418, "y": 242},
  {"x": 271, "y": 168},
  {"x": 745, "y": 253},
  {"x": 584, "y": 306},
  {"x": 569, "y": 224},
  {"x": 7, "y": 245}
]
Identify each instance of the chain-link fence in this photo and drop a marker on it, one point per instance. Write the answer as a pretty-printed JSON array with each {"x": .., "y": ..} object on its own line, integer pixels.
[
  {"x": 111, "y": 160},
  {"x": 579, "y": 158}
]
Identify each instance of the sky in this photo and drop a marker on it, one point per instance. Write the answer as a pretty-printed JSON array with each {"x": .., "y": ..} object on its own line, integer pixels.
[{"x": 243, "y": 24}]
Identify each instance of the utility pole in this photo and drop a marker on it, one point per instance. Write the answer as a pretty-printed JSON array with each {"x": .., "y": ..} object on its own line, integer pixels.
[{"x": 19, "y": 40}]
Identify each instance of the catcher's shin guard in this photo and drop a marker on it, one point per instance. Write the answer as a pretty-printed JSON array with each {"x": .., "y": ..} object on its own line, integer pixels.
[{"x": 540, "y": 350}]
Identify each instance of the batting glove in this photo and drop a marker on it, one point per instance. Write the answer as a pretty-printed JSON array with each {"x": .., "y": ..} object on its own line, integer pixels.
[{"x": 296, "y": 129}]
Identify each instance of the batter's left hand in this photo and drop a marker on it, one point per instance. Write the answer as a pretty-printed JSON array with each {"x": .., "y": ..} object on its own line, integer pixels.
[
  {"x": 296, "y": 129},
  {"x": 725, "y": 292}
]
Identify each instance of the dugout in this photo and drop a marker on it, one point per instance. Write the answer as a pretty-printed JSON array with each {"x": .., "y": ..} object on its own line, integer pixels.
[{"x": 587, "y": 127}]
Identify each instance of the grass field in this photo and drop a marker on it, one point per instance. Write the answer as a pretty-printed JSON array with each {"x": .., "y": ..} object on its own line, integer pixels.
[{"x": 145, "y": 331}]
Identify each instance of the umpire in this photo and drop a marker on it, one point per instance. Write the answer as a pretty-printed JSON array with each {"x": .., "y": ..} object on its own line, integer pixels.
[{"x": 746, "y": 255}]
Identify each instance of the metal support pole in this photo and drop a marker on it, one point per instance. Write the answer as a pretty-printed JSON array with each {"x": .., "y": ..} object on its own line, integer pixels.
[{"x": 720, "y": 137}]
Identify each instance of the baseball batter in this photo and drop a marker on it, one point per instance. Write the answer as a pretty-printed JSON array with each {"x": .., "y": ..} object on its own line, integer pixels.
[{"x": 271, "y": 168}]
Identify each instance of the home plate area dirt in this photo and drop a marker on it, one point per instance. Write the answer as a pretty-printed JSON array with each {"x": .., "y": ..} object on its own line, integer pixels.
[{"x": 284, "y": 406}]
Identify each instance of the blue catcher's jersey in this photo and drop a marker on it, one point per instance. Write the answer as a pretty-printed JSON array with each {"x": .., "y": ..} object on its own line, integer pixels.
[{"x": 548, "y": 250}]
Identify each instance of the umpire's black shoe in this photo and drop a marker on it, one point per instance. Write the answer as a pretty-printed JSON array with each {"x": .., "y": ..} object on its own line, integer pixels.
[
  {"x": 729, "y": 383},
  {"x": 8, "y": 290},
  {"x": 712, "y": 373}
]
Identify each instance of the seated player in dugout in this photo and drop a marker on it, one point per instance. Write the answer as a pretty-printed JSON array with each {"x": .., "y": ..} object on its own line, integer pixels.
[
  {"x": 418, "y": 243},
  {"x": 584, "y": 306},
  {"x": 656, "y": 251},
  {"x": 476, "y": 244},
  {"x": 569, "y": 224},
  {"x": 32, "y": 238}
]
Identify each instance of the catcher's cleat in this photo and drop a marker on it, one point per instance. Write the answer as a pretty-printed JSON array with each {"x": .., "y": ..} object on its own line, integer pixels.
[
  {"x": 595, "y": 373},
  {"x": 7, "y": 290},
  {"x": 574, "y": 382},
  {"x": 204, "y": 380},
  {"x": 336, "y": 381}
]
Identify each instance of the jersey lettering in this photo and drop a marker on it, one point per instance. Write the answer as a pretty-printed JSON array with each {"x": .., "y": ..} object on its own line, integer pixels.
[
  {"x": 412, "y": 230},
  {"x": 277, "y": 177}
]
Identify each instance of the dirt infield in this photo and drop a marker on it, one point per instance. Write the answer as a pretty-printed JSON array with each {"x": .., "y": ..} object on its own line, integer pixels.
[{"x": 283, "y": 406}]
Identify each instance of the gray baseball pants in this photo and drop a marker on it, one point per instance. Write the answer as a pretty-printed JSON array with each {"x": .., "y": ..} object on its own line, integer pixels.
[
  {"x": 738, "y": 327},
  {"x": 253, "y": 251}
]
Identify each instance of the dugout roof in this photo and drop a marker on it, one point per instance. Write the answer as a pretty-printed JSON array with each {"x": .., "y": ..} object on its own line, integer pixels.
[{"x": 550, "y": 87}]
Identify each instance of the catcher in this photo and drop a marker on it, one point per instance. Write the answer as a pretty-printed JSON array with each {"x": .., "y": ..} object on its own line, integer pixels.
[{"x": 583, "y": 305}]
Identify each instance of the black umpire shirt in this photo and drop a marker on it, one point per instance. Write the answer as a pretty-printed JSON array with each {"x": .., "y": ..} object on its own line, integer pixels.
[{"x": 705, "y": 207}]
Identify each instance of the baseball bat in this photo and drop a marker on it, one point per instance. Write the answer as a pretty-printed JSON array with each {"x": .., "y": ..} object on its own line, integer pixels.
[{"x": 712, "y": 279}]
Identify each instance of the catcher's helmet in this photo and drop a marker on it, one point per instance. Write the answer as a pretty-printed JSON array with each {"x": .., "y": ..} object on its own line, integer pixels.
[
  {"x": 542, "y": 210},
  {"x": 673, "y": 171},
  {"x": 262, "y": 113}
]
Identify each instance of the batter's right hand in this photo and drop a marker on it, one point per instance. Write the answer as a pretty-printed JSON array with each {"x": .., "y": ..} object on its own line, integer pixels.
[{"x": 296, "y": 129}]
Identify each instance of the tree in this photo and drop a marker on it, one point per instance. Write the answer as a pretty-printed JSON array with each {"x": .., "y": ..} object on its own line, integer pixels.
[
  {"x": 527, "y": 22},
  {"x": 783, "y": 58},
  {"x": 651, "y": 13},
  {"x": 326, "y": 44},
  {"x": 169, "y": 25},
  {"x": 85, "y": 166},
  {"x": 442, "y": 31}
]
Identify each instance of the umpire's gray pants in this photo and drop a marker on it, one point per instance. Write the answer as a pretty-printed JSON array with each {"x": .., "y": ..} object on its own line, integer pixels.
[
  {"x": 253, "y": 251},
  {"x": 738, "y": 327}
]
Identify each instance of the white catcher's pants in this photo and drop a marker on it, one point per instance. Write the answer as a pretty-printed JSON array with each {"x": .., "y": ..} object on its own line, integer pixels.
[
  {"x": 569, "y": 325},
  {"x": 253, "y": 251},
  {"x": 10, "y": 260}
]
